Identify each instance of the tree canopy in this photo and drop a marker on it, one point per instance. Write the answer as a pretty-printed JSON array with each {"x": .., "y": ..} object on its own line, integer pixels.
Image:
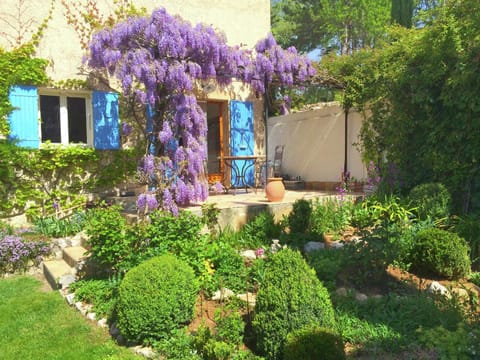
[
  {"x": 420, "y": 97},
  {"x": 159, "y": 60},
  {"x": 345, "y": 25}
]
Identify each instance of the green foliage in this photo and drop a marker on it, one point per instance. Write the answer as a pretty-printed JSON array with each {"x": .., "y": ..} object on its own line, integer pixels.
[
  {"x": 314, "y": 343},
  {"x": 102, "y": 294},
  {"x": 461, "y": 343},
  {"x": 108, "y": 240},
  {"x": 299, "y": 218},
  {"x": 388, "y": 324},
  {"x": 62, "y": 175},
  {"x": 330, "y": 216},
  {"x": 179, "y": 235},
  {"x": 18, "y": 67},
  {"x": 430, "y": 200},
  {"x": 442, "y": 253},
  {"x": 290, "y": 297},
  {"x": 260, "y": 230},
  {"x": 310, "y": 25},
  {"x": 225, "y": 342},
  {"x": 155, "y": 298},
  {"x": 229, "y": 325},
  {"x": 421, "y": 113},
  {"x": 179, "y": 345},
  {"x": 210, "y": 217},
  {"x": 327, "y": 264},
  {"x": 468, "y": 227},
  {"x": 229, "y": 269},
  {"x": 55, "y": 227},
  {"x": 475, "y": 278}
]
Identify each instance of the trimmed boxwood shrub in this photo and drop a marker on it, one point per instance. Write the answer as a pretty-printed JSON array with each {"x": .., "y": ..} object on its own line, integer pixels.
[
  {"x": 290, "y": 297},
  {"x": 314, "y": 343},
  {"x": 431, "y": 200},
  {"x": 155, "y": 298},
  {"x": 440, "y": 252}
]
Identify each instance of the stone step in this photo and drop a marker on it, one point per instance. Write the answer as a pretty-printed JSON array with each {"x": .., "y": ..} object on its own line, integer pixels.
[
  {"x": 73, "y": 255},
  {"x": 58, "y": 273}
]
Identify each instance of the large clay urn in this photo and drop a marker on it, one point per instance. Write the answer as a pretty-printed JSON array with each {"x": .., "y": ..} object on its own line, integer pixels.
[{"x": 275, "y": 190}]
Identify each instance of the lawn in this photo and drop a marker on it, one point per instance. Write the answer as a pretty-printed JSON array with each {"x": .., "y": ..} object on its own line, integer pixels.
[{"x": 35, "y": 324}]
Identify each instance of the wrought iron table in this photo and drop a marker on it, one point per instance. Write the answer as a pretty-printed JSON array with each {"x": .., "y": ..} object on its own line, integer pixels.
[{"x": 240, "y": 166}]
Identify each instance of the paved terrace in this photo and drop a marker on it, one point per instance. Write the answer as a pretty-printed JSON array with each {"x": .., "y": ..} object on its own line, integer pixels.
[{"x": 236, "y": 208}]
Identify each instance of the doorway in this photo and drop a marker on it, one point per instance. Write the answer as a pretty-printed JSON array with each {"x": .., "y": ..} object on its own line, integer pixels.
[{"x": 215, "y": 141}]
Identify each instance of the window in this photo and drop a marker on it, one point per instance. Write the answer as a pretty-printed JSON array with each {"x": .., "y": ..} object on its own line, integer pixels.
[
  {"x": 59, "y": 116},
  {"x": 64, "y": 118}
]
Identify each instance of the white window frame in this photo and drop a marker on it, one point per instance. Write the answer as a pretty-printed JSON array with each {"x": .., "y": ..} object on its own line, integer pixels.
[{"x": 63, "y": 94}]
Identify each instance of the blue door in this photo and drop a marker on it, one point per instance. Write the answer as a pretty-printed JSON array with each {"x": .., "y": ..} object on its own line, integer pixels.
[{"x": 241, "y": 138}]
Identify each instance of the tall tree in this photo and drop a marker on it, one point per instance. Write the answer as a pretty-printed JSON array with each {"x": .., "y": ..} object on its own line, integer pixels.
[
  {"x": 346, "y": 25},
  {"x": 421, "y": 96},
  {"x": 402, "y": 12}
]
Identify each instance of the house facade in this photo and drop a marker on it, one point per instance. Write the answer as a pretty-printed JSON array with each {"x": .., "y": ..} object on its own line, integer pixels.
[{"x": 61, "y": 115}]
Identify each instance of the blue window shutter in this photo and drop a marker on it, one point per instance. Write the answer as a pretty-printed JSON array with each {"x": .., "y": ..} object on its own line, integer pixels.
[
  {"x": 106, "y": 127},
  {"x": 241, "y": 135},
  {"x": 23, "y": 119}
]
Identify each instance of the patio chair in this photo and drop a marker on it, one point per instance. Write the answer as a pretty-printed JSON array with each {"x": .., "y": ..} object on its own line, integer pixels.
[{"x": 277, "y": 161}]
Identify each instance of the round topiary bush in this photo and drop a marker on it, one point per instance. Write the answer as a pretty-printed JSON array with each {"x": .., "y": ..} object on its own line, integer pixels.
[
  {"x": 290, "y": 297},
  {"x": 155, "y": 298},
  {"x": 431, "y": 200},
  {"x": 440, "y": 252},
  {"x": 314, "y": 343}
]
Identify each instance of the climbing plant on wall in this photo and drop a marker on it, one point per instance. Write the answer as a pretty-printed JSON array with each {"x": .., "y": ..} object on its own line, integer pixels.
[{"x": 158, "y": 60}]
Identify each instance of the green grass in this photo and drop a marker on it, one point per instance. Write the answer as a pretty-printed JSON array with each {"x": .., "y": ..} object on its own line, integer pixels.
[{"x": 40, "y": 325}]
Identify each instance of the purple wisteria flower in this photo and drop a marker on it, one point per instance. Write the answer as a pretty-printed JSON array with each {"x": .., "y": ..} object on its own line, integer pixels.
[
  {"x": 126, "y": 129},
  {"x": 159, "y": 61}
]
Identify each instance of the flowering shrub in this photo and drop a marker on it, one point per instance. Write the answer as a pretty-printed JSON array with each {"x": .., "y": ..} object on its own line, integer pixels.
[
  {"x": 159, "y": 61},
  {"x": 16, "y": 253}
]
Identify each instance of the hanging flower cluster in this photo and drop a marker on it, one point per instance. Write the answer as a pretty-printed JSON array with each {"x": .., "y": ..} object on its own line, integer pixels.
[{"x": 158, "y": 60}]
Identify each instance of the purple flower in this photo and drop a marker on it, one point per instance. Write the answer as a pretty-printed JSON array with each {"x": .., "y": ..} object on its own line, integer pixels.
[
  {"x": 259, "y": 252},
  {"x": 126, "y": 129},
  {"x": 218, "y": 187}
]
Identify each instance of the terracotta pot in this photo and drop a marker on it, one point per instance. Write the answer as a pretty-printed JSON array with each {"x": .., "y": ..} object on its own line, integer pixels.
[{"x": 275, "y": 190}]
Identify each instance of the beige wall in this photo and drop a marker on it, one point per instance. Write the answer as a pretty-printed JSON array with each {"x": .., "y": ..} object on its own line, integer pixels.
[
  {"x": 314, "y": 143},
  {"x": 244, "y": 22}
]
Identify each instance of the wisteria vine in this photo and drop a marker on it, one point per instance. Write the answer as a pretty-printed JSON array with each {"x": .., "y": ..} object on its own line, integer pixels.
[{"x": 159, "y": 60}]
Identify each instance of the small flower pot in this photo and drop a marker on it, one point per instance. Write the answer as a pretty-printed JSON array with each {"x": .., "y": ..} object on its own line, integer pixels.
[{"x": 275, "y": 190}]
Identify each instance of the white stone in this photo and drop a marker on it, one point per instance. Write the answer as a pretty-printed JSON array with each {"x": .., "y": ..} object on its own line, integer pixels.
[
  {"x": 222, "y": 294},
  {"x": 249, "y": 298},
  {"x": 91, "y": 316},
  {"x": 313, "y": 246},
  {"x": 81, "y": 307},
  {"x": 146, "y": 351},
  {"x": 66, "y": 280},
  {"x": 341, "y": 291},
  {"x": 337, "y": 245},
  {"x": 461, "y": 293},
  {"x": 360, "y": 296},
  {"x": 437, "y": 288},
  {"x": 70, "y": 298},
  {"x": 248, "y": 254},
  {"x": 275, "y": 245},
  {"x": 102, "y": 323}
]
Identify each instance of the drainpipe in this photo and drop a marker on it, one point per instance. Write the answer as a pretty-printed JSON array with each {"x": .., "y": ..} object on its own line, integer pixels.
[
  {"x": 265, "y": 108},
  {"x": 345, "y": 162}
]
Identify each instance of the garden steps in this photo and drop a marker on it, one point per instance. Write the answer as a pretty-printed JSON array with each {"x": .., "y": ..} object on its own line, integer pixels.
[{"x": 61, "y": 272}]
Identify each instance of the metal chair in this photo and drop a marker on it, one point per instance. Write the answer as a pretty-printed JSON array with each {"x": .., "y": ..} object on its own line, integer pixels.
[{"x": 277, "y": 161}]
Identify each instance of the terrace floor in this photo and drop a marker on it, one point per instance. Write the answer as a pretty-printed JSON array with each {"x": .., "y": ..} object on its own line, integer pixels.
[{"x": 237, "y": 206}]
